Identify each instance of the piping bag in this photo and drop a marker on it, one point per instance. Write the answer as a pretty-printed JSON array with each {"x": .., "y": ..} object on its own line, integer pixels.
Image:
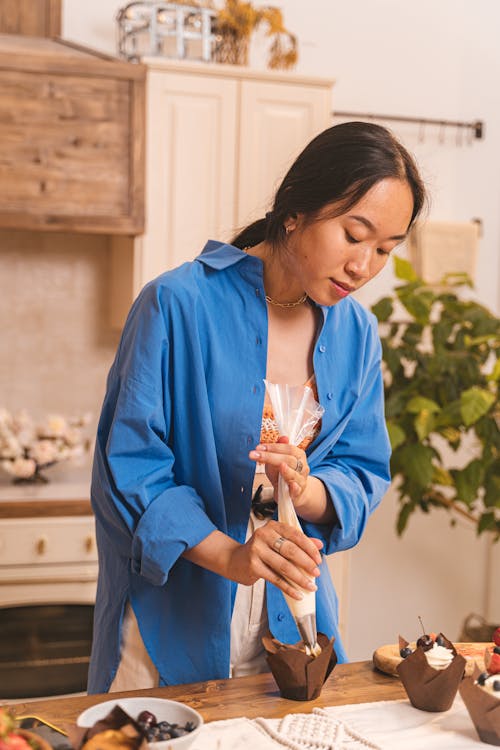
[{"x": 296, "y": 413}]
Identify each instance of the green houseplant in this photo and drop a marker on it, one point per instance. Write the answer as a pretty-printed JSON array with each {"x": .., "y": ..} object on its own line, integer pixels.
[{"x": 441, "y": 374}]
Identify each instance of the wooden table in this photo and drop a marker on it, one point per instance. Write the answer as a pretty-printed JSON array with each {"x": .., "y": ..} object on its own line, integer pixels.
[{"x": 252, "y": 696}]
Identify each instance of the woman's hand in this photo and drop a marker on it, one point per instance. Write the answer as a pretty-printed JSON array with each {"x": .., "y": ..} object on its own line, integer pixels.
[
  {"x": 308, "y": 493},
  {"x": 280, "y": 554},
  {"x": 287, "y": 460}
]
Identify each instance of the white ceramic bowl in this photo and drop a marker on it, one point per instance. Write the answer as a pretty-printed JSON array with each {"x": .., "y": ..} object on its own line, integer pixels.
[{"x": 164, "y": 710}]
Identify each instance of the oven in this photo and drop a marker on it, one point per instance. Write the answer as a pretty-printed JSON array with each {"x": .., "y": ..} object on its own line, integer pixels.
[{"x": 48, "y": 574}]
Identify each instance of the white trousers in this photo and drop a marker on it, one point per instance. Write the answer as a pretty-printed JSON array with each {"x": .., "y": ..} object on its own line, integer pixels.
[{"x": 248, "y": 624}]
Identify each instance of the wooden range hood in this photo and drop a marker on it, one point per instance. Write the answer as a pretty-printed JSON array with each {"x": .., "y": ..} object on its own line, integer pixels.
[{"x": 71, "y": 138}]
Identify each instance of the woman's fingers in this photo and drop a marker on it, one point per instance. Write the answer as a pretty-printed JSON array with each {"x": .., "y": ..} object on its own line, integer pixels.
[
  {"x": 297, "y": 547},
  {"x": 282, "y": 454},
  {"x": 282, "y": 555},
  {"x": 285, "y": 586},
  {"x": 289, "y": 552},
  {"x": 287, "y": 460}
]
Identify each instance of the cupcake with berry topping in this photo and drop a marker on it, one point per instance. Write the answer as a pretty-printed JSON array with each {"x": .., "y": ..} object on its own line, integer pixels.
[
  {"x": 481, "y": 695},
  {"x": 431, "y": 673}
]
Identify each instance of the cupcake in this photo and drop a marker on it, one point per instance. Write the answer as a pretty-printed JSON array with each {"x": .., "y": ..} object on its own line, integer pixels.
[
  {"x": 481, "y": 695},
  {"x": 431, "y": 673},
  {"x": 300, "y": 676},
  {"x": 116, "y": 731}
]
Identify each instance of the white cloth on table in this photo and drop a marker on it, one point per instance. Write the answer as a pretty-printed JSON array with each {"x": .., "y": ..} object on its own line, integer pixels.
[
  {"x": 383, "y": 725},
  {"x": 394, "y": 725},
  {"x": 293, "y": 732}
]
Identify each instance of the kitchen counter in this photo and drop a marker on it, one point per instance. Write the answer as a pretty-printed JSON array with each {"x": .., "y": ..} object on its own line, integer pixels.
[
  {"x": 253, "y": 696},
  {"x": 67, "y": 493}
]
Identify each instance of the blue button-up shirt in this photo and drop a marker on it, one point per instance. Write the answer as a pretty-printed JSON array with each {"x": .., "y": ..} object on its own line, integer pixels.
[{"x": 183, "y": 407}]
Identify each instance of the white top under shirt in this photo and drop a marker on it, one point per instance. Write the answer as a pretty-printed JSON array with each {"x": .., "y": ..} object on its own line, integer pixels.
[{"x": 248, "y": 624}]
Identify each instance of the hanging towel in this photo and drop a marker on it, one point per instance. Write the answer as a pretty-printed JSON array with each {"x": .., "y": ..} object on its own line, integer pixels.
[{"x": 438, "y": 247}]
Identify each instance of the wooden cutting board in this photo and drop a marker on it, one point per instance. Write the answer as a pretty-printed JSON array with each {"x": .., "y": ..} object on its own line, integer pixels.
[{"x": 387, "y": 658}]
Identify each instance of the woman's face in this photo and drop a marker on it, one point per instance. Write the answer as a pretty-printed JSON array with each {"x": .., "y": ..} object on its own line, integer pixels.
[{"x": 332, "y": 257}]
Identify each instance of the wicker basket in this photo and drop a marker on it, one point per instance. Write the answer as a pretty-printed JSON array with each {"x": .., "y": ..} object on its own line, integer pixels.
[{"x": 476, "y": 629}]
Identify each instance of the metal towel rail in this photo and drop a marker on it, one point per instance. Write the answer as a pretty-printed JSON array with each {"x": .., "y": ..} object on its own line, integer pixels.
[{"x": 475, "y": 127}]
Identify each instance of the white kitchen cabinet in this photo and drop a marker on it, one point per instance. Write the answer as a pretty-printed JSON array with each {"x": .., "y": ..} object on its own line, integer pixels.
[
  {"x": 47, "y": 560},
  {"x": 277, "y": 119},
  {"x": 219, "y": 138}
]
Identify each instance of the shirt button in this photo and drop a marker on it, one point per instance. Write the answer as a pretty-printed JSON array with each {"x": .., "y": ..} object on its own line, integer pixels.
[
  {"x": 254, "y": 389},
  {"x": 257, "y": 292},
  {"x": 258, "y": 340},
  {"x": 329, "y": 396},
  {"x": 242, "y": 490},
  {"x": 249, "y": 440},
  {"x": 280, "y": 617},
  {"x": 322, "y": 348}
]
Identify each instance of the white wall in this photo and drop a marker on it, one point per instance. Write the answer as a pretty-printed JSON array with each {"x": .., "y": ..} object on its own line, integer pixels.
[
  {"x": 435, "y": 59},
  {"x": 430, "y": 59}
]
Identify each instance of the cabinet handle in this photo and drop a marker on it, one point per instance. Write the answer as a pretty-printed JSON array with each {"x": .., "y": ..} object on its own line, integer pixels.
[
  {"x": 41, "y": 545},
  {"x": 89, "y": 543}
]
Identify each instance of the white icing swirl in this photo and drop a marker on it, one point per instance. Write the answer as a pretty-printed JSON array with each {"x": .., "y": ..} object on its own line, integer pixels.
[
  {"x": 488, "y": 685},
  {"x": 439, "y": 657}
]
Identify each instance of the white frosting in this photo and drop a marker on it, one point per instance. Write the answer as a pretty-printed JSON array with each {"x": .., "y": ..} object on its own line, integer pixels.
[
  {"x": 488, "y": 686},
  {"x": 302, "y": 607},
  {"x": 439, "y": 657}
]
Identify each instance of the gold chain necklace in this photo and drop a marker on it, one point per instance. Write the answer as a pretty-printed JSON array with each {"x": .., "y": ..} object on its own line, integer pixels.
[
  {"x": 275, "y": 302},
  {"x": 297, "y": 302}
]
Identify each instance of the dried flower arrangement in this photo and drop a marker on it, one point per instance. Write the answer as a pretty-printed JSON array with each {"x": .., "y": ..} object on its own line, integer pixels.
[
  {"x": 26, "y": 448},
  {"x": 235, "y": 23}
]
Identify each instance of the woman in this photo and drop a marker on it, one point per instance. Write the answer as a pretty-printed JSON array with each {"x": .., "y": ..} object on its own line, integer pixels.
[{"x": 192, "y": 564}]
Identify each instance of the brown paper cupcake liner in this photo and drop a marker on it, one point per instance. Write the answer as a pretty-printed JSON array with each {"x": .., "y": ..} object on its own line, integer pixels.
[
  {"x": 483, "y": 708},
  {"x": 132, "y": 737},
  {"x": 427, "y": 688},
  {"x": 300, "y": 677}
]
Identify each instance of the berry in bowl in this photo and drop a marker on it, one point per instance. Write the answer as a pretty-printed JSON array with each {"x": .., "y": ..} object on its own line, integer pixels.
[{"x": 162, "y": 724}]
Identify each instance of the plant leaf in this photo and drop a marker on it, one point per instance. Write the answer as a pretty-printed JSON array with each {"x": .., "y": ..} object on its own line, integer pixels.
[
  {"x": 417, "y": 461},
  {"x": 397, "y": 435},
  {"x": 452, "y": 435},
  {"x": 418, "y": 304},
  {"x": 441, "y": 476},
  {"x": 403, "y": 516},
  {"x": 474, "y": 403},
  {"x": 492, "y": 486},
  {"x": 404, "y": 270},
  {"x": 424, "y": 424},
  {"x": 468, "y": 480},
  {"x": 487, "y": 522},
  {"x": 418, "y": 404},
  {"x": 495, "y": 373},
  {"x": 449, "y": 416},
  {"x": 383, "y": 309},
  {"x": 457, "y": 278}
]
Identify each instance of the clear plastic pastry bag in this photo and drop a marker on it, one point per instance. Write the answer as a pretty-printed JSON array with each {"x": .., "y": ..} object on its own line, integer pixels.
[{"x": 296, "y": 412}]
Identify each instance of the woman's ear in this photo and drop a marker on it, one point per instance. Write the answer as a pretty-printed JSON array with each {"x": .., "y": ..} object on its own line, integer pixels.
[{"x": 291, "y": 223}]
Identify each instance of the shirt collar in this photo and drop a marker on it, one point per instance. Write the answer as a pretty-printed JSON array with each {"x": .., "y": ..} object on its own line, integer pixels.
[{"x": 219, "y": 255}]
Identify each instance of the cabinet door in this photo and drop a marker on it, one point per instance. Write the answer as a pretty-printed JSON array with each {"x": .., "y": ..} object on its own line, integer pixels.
[
  {"x": 190, "y": 168},
  {"x": 277, "y": 121}
]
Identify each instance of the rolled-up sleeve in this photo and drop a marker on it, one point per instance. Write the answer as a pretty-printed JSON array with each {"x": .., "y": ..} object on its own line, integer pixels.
[
  {"x": 148, "y": 516},
  {"x": 356, "y": 471}
]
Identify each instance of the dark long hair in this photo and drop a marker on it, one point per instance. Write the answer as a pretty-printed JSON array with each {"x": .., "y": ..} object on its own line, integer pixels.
[{"x": 339, "y": 166}]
